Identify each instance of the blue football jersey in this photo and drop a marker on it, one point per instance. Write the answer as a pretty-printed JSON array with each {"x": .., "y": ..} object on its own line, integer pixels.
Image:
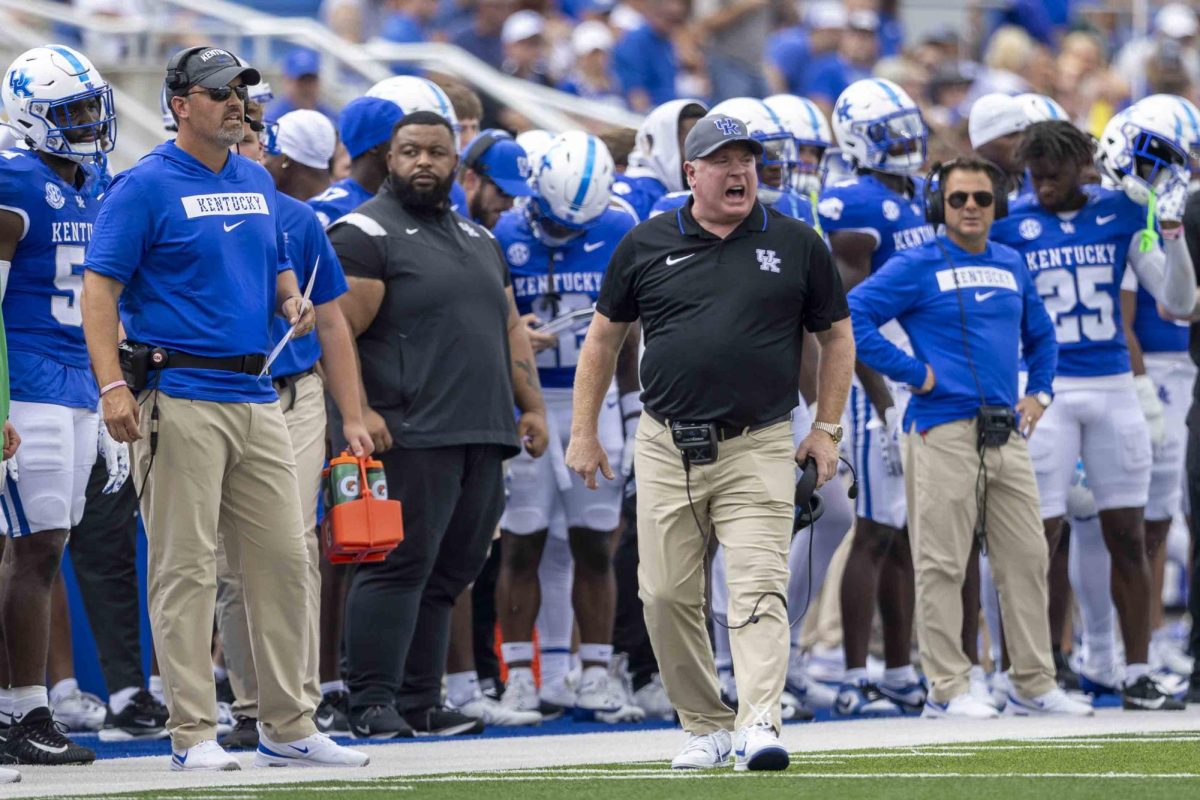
[
  {"x": 1155, "y": 334},
  {"x": 44, "y": 322},
  {"x": 641, "y": 192},
  {"x": 1077, "y": 261},
  {"x": 577, "y": 269},
  {"x": 793, "y": 205},
  {"x": 864, "y": 205},
  {"x": 339, "y": 200}
]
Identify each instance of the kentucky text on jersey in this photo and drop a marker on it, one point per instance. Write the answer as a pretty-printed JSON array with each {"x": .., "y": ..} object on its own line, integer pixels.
[
  {"x": 1075, "y": 255},
  {"x": 70, "y": 232},
  {"x": 863, "y": 204},
  {"x": 530, "y": 286}
]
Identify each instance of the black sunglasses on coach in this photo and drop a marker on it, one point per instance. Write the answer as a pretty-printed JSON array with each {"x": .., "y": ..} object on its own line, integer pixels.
[
  {"x": 221, "y": 94},
  {"x": 959, "y": 199}
]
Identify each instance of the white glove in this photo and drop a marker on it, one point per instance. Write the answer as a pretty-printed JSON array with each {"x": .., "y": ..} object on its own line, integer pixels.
[
  {"x": 631, "y": 414},
  {"x": 1152, "y": 407},
  {"x": 8, "y": 469},
  {"x": 891, "y": 441},
  {"x": 1171, "y": 201},
  {"x": 1080, "y": 502},
  {"x": 116, "y": 459}
]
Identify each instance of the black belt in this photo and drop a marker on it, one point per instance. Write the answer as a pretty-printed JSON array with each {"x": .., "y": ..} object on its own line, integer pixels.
[
  {"x": 724, "y": 431},
  {"x": 290, "y": 380},
  {"x": 247, "y": 365}
]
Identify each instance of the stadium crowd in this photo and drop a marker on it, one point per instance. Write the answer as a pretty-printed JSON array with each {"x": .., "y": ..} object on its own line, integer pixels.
[{"x": 418, "y": 275}]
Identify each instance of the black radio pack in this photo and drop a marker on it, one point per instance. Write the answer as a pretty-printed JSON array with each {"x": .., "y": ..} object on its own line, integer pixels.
[
  {"x": 697, "y": 441},
  {"x": 137, "y": 360},
  {"x": 995, "y": 424}
]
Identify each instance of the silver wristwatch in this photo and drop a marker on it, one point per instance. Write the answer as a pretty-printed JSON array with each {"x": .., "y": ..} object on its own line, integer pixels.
[
  {"x": 1044, "y": 399},
  {"x": 834, "y": 431}
]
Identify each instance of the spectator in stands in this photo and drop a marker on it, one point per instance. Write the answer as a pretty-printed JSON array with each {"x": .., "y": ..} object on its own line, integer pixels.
[
  {"x": 650, "y": 81},
  {"x": 592, "y": 77},
  {"x": 854, "y": 59},
  {"x": 736, "y": 35},
  {"x": 1175, "y": 23},
  {"x": 408, "y": 21},
  {"x": 948, "y": 93},
  {"x": 523, "y": 37},
  {"x": 467, "y": 107},
  {"x": 345, "y": 18},
  {"x": 1007, "y": 55},
  {"x": 793, "y": 50},
  {"x": 481, "y": 37},
  {"x": 301, "y": 85}
]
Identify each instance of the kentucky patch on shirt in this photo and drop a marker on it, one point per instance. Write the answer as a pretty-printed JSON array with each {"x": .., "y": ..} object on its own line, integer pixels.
[{"x": 225, "y": 204}]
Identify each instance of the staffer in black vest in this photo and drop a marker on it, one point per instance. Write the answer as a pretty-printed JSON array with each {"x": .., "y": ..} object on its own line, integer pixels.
[
  {"x": 444, "y": 356},
  {"x": 724, "y": 289}
]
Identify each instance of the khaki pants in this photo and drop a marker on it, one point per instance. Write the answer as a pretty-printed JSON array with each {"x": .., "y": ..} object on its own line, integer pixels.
[
  {"x": 225, "y": 466},
  {"x": 940, "y": 470},
  {"x": 748, "y": 495},
  {"x": 304, "y": 411}
]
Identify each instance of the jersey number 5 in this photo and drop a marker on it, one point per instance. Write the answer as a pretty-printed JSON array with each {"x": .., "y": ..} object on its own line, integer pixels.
[
  {"x": 1079, "y": 305},
  {"x": 68, "y": 280}
]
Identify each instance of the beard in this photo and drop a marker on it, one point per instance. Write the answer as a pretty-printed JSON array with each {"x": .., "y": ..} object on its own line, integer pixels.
[
  {"x": 229, "y": 136},
  {"x": 422, "y": 199}
]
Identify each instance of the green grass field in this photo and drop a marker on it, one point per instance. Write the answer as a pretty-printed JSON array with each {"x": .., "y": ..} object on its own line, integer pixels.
[{"x": 1137, "y": 767}]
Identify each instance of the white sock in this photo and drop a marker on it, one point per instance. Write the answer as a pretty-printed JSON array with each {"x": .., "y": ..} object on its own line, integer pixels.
[
  {"x": 119, "y": 701},
  {"x": 594, "y": 654},
  {"x": 518, "y": 672},
  {"x": 978, "y": 675},
  {"x": 63, "y": 688},
  {"x": 520, "y": 652},
  {"x": 899, "y": 676},
  {"x": 330, "y": 687},
  {"x": 555, "y": 666},
  {"x": 855, "y": 676},
  {"x": 6, "y": 706},
  {"x": 462, "y": 687},
  {"x": 28, "y": 698},
  {"x": 1135, "y": 671},
  {"x": 156, "y": 687},
  {"x": 594, "y": 674}
]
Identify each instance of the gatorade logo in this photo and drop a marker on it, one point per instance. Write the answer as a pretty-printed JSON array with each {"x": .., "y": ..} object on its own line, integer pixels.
[
  {"x": 379, "y": 489},
  {"x": 349, "y": 486}
]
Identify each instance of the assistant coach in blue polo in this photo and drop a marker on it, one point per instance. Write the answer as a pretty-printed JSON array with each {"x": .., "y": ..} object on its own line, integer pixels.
[{"x": 190, "y": 243}]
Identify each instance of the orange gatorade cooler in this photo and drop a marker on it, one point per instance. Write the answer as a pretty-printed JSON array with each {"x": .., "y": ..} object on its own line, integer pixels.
[{"x": 362, "y": 525}]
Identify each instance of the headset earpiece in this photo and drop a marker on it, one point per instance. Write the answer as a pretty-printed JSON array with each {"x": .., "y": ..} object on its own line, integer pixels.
[
  {"x": 935, "y": 197},
  {"x": 175, "y": 80}
]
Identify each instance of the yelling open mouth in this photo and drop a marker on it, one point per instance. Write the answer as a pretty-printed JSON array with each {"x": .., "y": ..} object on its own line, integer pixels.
[{"x": 736, "y": 193}]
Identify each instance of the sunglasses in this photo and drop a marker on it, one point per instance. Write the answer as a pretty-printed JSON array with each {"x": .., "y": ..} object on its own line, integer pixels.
[
  {"x": 959, "y": 199},
  {"x": 221, "y": 94}
]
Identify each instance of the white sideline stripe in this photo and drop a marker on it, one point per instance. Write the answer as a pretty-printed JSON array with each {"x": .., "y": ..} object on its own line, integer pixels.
[{"x": 680, "y": 775}]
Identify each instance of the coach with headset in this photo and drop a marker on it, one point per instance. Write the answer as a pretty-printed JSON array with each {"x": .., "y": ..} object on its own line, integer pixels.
[{"x": 967, "y": 305}]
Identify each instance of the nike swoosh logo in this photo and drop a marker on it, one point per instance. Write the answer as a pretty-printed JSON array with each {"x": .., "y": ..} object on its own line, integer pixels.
[
  {"x": 229, "y": 227},
  {"x": 1150, "y": 704},
  {"x": 981, "y": 296},
  {"x": 299, "y": 749},
  {"x": 62, "y": 748},
  {"x": 411, "y": 231},
  {"x": 1105, "y": 220},
  {"x": 325, "y": 721},
  {"x": 591, "y": 247},
  {"x": 673, "y": 260}
]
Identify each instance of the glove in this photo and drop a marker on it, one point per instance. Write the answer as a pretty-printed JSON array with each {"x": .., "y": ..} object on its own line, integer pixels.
[
  {"x": 631, "y": 413},
  {"x": 1080, "y": 502},
  {"x": 891, "y": 441},
  {"x": 8, "y": 469},
  {"x": 1171, "y": 201},
  {"x": 1151, "y": 407},
  {"x": 116, "y": 459}
]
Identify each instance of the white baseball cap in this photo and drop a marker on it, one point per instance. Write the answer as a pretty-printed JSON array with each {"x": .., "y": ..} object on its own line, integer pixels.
[
  {"x": 826, "y": 15},
  {"x": 590, "y": 36},
  {"x": 1176, "y": 20},
  {"x": 306, "y": 137},
  {"x": 521, "y": 26},
  {"x": 995, "y": 115}
]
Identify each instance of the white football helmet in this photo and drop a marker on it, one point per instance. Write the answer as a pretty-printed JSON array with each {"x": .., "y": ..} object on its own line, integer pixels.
[
  {"x": 1040, "y": 108},
  {"x": 809, "y": 128},
  {"x": 779, "y": 148},
  {"x": 878, "y": 126},
  {"x": 1189, "y": 116},
  {"x": 535, "y": 143},
  {"x": 573, "y": 182},
  {"x": 1145, "y": 148},
  {"x": 411, "y": 94},
  {"x": 46, "y": 89}
]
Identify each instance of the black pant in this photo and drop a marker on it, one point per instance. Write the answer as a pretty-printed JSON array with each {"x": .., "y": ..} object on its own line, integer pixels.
[
  {"x": 483, "y": 617},
  {"x": 629, "y": 629},
  {"x": 104, "y": 555},
  {"x": 398, "y": 611},
  {"x": 1193, "y": 490}
]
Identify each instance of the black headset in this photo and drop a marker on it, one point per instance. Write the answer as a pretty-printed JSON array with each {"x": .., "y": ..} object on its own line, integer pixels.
[
  {"x": 177, "y": 79},
  {"x": 935, "y": 208},
  {"x": 483, "y": 142}
]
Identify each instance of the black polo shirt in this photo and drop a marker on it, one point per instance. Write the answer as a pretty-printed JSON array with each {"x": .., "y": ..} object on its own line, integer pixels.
[{"x": 723, "y": 318}]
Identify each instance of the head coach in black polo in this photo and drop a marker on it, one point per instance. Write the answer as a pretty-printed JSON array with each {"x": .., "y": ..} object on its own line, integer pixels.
[{"x": 724, "y": 289}]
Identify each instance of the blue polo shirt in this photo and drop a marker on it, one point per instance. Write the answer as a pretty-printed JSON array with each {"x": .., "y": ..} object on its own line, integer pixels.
[
  {"x": 305, "y": 240},
  {"x": 644, "y": 60},
  {"x": 198, "y": 253}
]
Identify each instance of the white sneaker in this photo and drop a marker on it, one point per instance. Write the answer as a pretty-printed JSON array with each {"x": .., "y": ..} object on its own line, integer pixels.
[
  {"x": 317, "y": 750},
  {"x": 979, "y": 686},
  {"x": 965, "y": 706},
  {"x": 1055, "y": 701},
  {"x": 492, "y": 712},
  {"x": 9, "y": 775},
  {"x": 80, "y": 711},
  {"x": 596, "y": 692},
  {"x": 559, "y": 693},
  {"x": 1000, "y": 687},
  {"x": 1165, "y": 655},
  {"x": 652, "y": 699},
  {"x": 620, "y": 693},
  {"x": 827, "y": 664},
  {"x": 813, "y": 694},
  {"x": 208, "y": 755},
  {"x": 757, "y": 747},
  {"x": 704, "y": 751},
  {"x": 520, "y": 693}
]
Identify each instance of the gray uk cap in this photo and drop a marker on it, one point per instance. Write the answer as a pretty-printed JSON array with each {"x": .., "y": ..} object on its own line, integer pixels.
[
  {"x": 211, "y": 68},
  {"x": 713, "y": 132}
]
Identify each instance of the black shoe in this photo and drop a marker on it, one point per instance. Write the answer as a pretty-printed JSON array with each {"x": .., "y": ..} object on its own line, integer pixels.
[
  {"x": 550, "y": 711},
  {"x": 442, "y": 722},
  {"x": 378, "y": 722},
  {"x": 244, "y": 735},
  {"x": 143, "y": 718},
  {"x": 331, "y": 717},
  {"x": 1145, "y": 694},
  {"x": 225, "y": 691},
  {"x": 1067, "y": 678},
  {"x": 37, "y": 739},
  {"x": 1192, "y": 696}
]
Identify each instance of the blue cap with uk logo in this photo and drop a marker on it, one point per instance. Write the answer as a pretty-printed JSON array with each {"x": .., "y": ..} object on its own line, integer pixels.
[
  {"x": 496, "y": 155},
  {"x": 713, "y": 132}
]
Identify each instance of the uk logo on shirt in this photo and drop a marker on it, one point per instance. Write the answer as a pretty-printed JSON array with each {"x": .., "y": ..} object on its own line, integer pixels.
[{"x": 767, "y": 260}]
